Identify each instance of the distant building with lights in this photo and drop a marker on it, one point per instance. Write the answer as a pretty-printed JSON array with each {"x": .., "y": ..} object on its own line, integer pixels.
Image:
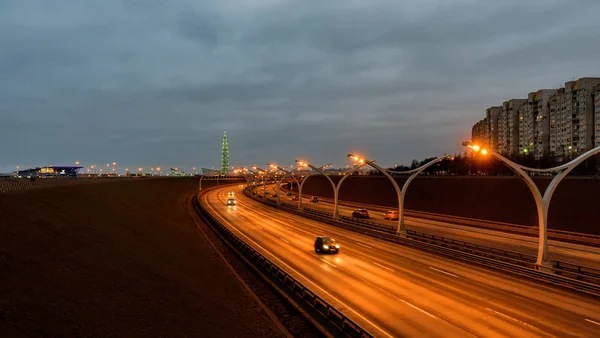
[{"x": 50, "y": 171}]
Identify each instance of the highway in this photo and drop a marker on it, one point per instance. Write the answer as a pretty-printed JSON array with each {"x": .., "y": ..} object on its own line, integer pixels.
[
  {"x": 395, "y": 291},
  {"x": 559, "y": 250}
]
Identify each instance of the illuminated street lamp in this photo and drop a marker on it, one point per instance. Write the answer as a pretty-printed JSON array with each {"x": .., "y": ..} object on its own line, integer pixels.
[
  {"x": 266, "y": 174},
  {"x": 287, "y": 174},
  {"x": 542, "y": 202},
  {"x": 413, "y": 174},
  {"x": 400, "y": 192},
  {"x": 320, "y": 171}
]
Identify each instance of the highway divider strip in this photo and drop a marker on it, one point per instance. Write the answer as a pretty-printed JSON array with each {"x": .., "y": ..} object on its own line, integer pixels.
[
  {"x": 344, "y": 324},
  {"x": 464, "y": 251}
]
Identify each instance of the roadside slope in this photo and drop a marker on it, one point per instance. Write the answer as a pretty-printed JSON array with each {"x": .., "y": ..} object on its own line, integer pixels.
[{"x": 116, "y": 259}]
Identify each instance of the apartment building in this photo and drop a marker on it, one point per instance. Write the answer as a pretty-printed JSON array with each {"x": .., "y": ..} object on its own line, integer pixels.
[
  {"x": 526, "y": 126},
  {"x": 574, "y": 116},
  {"x": 508, "y": 127},
  {"x": 480, "y": 133},
  {"x": 561, "y": 123},
  {"x": 534, "y": 124},
  {"x": 492, "y": 114}
]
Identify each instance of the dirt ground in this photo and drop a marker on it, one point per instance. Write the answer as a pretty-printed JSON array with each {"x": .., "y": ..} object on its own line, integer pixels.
[{"x": 116, "y": 259}]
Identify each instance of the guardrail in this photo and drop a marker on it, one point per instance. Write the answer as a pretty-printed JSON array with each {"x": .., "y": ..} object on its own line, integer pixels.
[
  {"x": 573, "y": 237},
  {"x": 576, "y": 277},
  {"x": 327, "y": 311}
]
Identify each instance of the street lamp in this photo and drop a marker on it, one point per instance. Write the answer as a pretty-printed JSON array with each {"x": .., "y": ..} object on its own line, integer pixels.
[
  {"x": 542, "y": 202},
  {"x": 322, "y": 172},
  {"x": 287, "y": 173}
]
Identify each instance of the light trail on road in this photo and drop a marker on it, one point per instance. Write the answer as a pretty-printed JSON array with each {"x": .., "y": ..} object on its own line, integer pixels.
[{"x": 397, "y": 291}]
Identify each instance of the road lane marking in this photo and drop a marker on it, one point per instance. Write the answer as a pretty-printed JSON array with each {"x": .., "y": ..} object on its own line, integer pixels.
[
  {"x": 418, "y": 308},
  {"x": 366, "y": 246},
  {"x": 591, "y": 321},
  {"x": 283, "y": 239},
  {"x": 259, "y": 227},
  {"x": 511, "y": 318},
  {"x": 335, "y": 266},
  {"x": 358, "y": 314},
  {"x": 442, "y": 271},
  {"x": 383, "y": 266}
]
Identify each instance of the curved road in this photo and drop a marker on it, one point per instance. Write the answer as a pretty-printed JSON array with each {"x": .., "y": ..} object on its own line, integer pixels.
[{"x": 396, "y": 291}]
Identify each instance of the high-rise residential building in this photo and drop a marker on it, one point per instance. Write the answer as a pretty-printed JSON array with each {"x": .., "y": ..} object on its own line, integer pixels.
[
  {"x": 480, "y": 133},
  {"x": 492, "y": 114},
  {"x": 575, "y": 115},
  {"x": 508, "y": 127},
  {"x": 541, "y": 111},
  {"x": 596, "y": 91},
  {"x": 551, "y": 122},
  {"x": 534, "y": 124},
  {"x": 225, "y": 155}
]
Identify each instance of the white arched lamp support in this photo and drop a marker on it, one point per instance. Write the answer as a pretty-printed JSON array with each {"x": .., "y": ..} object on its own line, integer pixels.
[
  {"x": 255, "y": 181},
  {"x": 401, "y": 228},
  {"x": 320, "y": 171},
  {"x": 542, "y": 202},
  {"x": 244, "y": 173},
  {"x": 336, "y": 211},
  {"x": 266, "y": 174},
  {"x": 287, "y": 174},
  {"x": 413, "y": 174}
]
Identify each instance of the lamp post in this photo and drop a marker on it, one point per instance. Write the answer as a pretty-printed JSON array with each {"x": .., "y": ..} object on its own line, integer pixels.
[
  {"x": 401, "y": 227},
  {"x": 542, "y": 202},
  {"x": 322, "y": 172},
  {"x": 287, "y": 173},
  {"x": 355, "y": 168},
  {"x": 264, "y": 180},
  {"x": 413, "y": 174}
]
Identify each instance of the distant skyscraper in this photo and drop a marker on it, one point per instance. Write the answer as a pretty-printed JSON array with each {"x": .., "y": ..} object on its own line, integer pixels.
[{"x": 225, "y": 156}]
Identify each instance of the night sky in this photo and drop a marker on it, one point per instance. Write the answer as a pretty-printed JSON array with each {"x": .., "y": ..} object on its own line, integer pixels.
[{"x": 155, "y": 83}]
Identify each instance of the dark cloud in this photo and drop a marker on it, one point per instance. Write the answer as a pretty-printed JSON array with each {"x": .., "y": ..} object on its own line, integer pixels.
[{"x": 156, "y": 82}]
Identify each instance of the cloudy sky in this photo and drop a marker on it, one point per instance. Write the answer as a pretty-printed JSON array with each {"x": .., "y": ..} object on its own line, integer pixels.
[{"x": 156, "y": 82}]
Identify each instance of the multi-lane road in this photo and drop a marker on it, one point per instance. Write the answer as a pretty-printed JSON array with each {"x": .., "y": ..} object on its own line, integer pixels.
[
  {"x": 395, "y": 291},
  {"x": 559, "y": 250}
]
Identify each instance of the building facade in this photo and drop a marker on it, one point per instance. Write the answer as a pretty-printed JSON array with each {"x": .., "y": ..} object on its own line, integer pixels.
[
  {"x": 559, "y": 123},
  {"x": 480, "y": 133},
  {"x": 508, "y": 127},
  {"x": 575, "y": 116},
  {"x": 492, "y": 114}
]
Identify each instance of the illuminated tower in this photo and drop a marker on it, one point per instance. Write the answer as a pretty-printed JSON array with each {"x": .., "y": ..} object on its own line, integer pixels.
[{"x": 225, "y": 156}]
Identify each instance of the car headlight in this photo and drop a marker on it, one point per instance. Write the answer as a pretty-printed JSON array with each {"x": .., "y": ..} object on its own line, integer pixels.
[
  {"x": 337, "y": 246},
  {"x": 325, "y": 246}
]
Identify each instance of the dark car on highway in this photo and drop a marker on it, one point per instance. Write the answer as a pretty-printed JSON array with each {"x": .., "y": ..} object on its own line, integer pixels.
[
  {"x": 314, "y": 199},
  {"x": 360, "y": 213},
  {"x": 289, "y": 193},
  {"x": 326, "y": 244}
]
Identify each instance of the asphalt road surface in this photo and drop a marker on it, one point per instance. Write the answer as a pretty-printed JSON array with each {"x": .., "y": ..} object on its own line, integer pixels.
[
  {"x": 559, "y": 250},
  {"x": 396, "y": 291}
]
